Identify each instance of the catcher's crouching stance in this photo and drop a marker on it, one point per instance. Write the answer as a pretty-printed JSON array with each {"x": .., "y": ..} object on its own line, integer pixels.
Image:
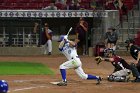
[
  {"x": 121, "y": 67},
  {"x": 68, "y": 48}
]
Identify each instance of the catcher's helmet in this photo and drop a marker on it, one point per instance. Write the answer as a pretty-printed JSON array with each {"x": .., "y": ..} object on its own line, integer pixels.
[
  {"x": 108, "y": 51},
  {"x": 3, "y": 86}
]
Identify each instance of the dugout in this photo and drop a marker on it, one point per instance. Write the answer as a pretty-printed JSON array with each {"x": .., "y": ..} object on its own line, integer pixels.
[{"x": 16, "y": 27}]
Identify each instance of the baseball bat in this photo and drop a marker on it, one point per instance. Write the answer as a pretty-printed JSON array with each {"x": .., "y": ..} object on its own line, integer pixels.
[{"x": 69, "y": 31}]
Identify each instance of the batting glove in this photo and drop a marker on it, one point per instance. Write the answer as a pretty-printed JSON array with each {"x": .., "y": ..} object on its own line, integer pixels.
[{"x": 66, "y": 38}]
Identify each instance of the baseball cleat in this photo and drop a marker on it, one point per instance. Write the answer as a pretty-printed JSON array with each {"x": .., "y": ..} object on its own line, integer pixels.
[
  {"x": 62, "y": 83},
  {"x": 99, "y": 80},
  {"x": 49, "y": 53}
]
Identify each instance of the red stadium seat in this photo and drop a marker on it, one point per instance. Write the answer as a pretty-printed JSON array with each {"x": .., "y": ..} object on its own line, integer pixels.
[
  {"x": 19, "y": 6},
  {"x": 1, "y": 1},
  {"x": 129, "y": 4},
  {"x": 36, "y": 1},
  {"x": 40, "y": 5},
  {"x": 85, "y": 4},
  {"x": 24, "y": 1},
  {"x": 46, "y": 3},
  {"x": 32, "y": 6},
  {"x": 7, "y": 6},
  {"x": 11, "y": 1},
  {"x": 59, "y": 6},
  {"x": 49, "y": 1},
  {"x": 136, "y": 1}
]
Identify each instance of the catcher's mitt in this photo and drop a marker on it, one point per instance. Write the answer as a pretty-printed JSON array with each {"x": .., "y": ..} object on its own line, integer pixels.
[{"x": 98, "y": 59}]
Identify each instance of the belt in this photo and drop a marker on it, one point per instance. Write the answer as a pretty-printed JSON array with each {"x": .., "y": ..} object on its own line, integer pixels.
[{"x": 76, "y": 57}]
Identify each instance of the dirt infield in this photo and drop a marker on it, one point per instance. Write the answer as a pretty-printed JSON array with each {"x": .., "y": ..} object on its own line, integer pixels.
[{"x": 40, "y": 83}]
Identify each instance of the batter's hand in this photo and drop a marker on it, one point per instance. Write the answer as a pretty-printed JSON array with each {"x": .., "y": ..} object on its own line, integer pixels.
[
  {"x": 98, "y": 59},
  {"x": 66, "y": 38}
]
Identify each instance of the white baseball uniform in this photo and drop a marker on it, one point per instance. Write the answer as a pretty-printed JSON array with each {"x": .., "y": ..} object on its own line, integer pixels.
[{"x": 73, "y": 59}]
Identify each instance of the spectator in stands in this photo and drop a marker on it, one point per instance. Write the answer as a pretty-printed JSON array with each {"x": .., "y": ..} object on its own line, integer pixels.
[
  {"x": 111, "y": 38},
  {"x": 81, "y": 31},
  {"x": 93, "y": 4},
  {"x": 109, "y": 5},
  {"x": 51, "y": 7},
  {"x": 122, "y": 8},
  {"x": 96, "y": 4},
  {"x": 74, "y": 6},
  {"x": 47, "y": 39},
  {"x": 60, "y": 4},
  {"x": 117, "y": 5}
]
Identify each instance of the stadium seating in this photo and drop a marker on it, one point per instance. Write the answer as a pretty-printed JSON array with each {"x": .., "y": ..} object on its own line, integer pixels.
[
  {"x": 129, "y": 4},
  {"x": 1, "y": 1},
  {"x": 39, "y": 4}
]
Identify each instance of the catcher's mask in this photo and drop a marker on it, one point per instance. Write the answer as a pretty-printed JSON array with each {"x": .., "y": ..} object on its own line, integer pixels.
[
  {"x": 108, "y": 52},
  {"x": 128, "y": 41}
]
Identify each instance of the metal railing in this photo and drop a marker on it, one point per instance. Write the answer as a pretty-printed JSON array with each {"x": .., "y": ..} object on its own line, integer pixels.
[{"x": 18, "y": 38}]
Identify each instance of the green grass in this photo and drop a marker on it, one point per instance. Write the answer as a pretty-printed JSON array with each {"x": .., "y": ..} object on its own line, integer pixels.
[{"x": 24, "y": 68}]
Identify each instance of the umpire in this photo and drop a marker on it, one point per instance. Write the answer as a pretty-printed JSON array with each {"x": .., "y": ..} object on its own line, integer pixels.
[{"x": 135, "y": 53}]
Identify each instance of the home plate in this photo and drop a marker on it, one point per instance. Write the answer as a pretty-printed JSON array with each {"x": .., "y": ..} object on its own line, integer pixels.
[{"x": 54, "y": 83}]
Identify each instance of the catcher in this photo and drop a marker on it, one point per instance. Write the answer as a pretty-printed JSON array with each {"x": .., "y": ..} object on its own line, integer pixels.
[{"x": 121, "y": 67}]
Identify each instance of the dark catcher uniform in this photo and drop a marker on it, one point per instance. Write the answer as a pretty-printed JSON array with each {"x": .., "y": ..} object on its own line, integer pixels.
[
  {"x": 119, "y": 63},
  {"x": 121, "y": 70}
]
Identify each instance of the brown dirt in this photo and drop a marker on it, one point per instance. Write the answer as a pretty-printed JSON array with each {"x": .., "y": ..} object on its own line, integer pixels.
[{"x": 40, "y": 83}]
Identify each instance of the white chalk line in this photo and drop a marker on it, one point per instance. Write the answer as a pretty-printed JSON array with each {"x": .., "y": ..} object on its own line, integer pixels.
[
  {"x": 29, "y": 80},
  {"x": 27, "y": 88}
]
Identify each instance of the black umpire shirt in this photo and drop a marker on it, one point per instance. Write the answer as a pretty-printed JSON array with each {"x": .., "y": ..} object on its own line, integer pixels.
[{"x": 134, "y": 51}]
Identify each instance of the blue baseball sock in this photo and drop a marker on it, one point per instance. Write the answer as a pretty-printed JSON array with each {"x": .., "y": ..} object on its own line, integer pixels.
[
  {"x": 63, "y": 74},
  {"x": 91, "y": 77}
]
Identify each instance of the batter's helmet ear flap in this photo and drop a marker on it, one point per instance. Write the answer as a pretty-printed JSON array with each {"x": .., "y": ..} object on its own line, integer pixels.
[{"x": 3, "y": 86}]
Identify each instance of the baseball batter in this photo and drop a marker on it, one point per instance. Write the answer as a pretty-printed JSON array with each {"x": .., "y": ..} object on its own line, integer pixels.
[{"x": 68, "y": 48}]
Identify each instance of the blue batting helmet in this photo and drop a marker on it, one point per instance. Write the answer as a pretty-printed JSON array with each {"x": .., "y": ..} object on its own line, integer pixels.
[
  {"x": 3, "y": 86},
  {"x": 61, "y": 38}
]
